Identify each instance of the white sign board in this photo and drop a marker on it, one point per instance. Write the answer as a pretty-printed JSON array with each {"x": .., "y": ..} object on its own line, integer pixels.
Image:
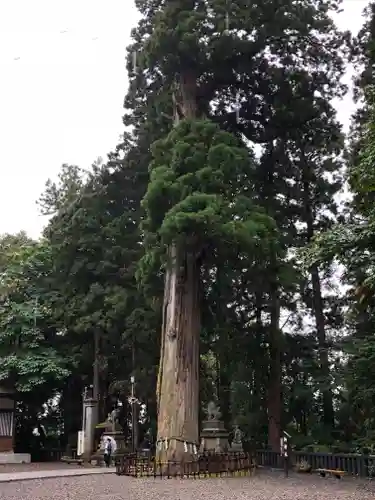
[{"x": 81, "y": 443}]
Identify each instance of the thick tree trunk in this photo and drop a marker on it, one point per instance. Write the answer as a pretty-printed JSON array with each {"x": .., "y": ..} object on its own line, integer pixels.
[
  {"x": 328, "y": 412},
  {"x": 274, "y": 396},
  {"x": 72, "y": 408},
  {"x": 274, "y": 389},
  {"x": 222, "y": 354},
  {"x": 224, "y": 391},
  {"x": 96, "y": 377},
  {"x": 178, "y": 380}
]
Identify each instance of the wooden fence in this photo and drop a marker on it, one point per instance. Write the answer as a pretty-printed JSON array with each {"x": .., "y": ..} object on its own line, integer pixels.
[
  {"x": 207, "y": 465},
  {"x": 352, "y": 463}
]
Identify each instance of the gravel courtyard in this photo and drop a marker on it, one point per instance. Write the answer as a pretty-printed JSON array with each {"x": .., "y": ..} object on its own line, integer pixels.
[{"x": 262, "y": 487}]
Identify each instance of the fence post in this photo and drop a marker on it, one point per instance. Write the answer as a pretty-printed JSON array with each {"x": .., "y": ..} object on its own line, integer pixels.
[{"x": 284, "y": 451}]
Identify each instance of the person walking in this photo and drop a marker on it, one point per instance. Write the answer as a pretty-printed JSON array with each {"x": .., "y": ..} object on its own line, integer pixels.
[{"x": 108, "y": 452}]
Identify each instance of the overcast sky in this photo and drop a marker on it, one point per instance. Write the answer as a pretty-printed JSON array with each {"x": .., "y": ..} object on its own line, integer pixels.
[{"x": 62, "y": 87}]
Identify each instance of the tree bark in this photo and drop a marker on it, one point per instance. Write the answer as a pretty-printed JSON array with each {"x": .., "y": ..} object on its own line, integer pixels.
[
  {"x": 178, "y": 378},
  {"x": 274, "y": 389},
  {"x": 274, "y": 396},
  {"x": 72, "y": 407},
  {"x": 224, "y": 369},
  {"x": 224, "y": 389},
  {"x": 96, "y": 376},
  {"x": 328, "y": 412}
]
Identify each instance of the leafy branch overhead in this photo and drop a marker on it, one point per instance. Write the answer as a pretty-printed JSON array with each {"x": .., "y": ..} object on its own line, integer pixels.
[
  {"x": 200, "y": 192},
  {"x": 352, "y": 241},
  {"x": 29, "y": 354}
]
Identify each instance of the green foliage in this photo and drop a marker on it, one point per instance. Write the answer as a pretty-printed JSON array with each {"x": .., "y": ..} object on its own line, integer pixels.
[
  {"x": 270, "y": 55},
  {"x": 94, "y": 240},
  {"x": 245, "y": 215},
  {"x": 352, "y": 240},
  {"x": 28, "y": 353},
  {"x": 197, "y": 192},
  {"x": 297, "y": 57}
]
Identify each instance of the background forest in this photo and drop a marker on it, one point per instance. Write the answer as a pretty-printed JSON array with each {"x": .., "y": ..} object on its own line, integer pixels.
[{"x": 287, "y": 337}]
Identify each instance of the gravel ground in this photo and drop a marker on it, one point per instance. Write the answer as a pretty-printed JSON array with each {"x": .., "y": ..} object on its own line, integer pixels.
[{"x": 262, "y": 487}]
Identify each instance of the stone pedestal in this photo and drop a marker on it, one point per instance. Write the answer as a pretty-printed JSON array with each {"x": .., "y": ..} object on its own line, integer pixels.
[
  {"x": 236, "y": 445},
  {"x": 214, "y": 437},
  {"x": 14, "y": 458}
]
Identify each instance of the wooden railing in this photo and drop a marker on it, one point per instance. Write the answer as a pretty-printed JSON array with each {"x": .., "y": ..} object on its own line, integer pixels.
[
  {"x": 206, "y": 465},
  {"x": 352, "y": 463}
]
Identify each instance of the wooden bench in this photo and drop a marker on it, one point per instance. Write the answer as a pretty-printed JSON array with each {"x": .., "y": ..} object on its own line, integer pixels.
[
  {"x": 338, "y": 474},
  {"x": 70, "y": 460}
]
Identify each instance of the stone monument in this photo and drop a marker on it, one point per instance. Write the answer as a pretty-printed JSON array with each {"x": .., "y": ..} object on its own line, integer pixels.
[
  {"x": 113, "y": 431},
  {"x": 214, "y": 436},
  {"x": 236, "y": 444}
]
